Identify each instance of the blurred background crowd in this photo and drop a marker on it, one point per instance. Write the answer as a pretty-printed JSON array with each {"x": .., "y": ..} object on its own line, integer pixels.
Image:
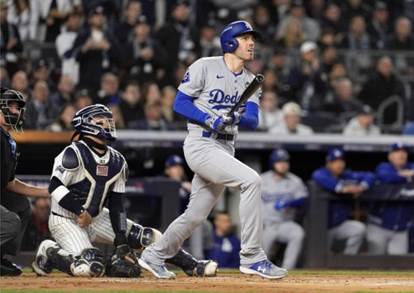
[{"x": 330, "y": 66}]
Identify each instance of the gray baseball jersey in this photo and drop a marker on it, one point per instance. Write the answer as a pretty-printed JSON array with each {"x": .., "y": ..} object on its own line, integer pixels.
[
  {"x": 215, "y": 88},
  {"x": 277, "y": 188}
]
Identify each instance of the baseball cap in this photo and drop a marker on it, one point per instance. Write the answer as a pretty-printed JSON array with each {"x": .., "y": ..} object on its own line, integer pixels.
[
  {"x": 174, "y": 160},
  {"x": 279, "y": 155},
  {"x": 307, "y": 47},
  {"x": 397, "y": 146},
  {"x": 365, "y": 110},
  {"x": 291, "y": 108},
  {"x": 41, "y": 63},
  {"x": 335, "y": 154}
]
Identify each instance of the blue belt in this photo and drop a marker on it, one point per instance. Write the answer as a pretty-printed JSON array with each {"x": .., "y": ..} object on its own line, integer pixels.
[{"x": 222, "y": 136}]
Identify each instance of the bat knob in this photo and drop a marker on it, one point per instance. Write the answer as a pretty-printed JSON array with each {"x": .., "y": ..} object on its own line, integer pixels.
[{"x": 260, "y": 78}]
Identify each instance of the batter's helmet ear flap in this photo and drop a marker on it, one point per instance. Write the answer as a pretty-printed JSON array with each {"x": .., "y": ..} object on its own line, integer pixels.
[{"x": 231, "y": 45}]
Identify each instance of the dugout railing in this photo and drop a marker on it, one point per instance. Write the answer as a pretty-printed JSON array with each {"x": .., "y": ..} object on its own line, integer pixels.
[{"x": 317, "y": 252}]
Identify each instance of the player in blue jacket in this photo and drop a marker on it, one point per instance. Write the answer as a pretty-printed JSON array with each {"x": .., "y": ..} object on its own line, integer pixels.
[
  {"x": 388, "y": 222},
  {"x": 344, "y": 183}
]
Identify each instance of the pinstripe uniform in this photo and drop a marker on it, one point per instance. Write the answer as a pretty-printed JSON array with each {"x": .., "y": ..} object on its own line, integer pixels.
[{"x": 90, "y": 181}]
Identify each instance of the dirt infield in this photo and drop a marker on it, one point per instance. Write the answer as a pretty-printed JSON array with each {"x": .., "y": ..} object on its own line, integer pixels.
[{"x": 297, "y": 281}]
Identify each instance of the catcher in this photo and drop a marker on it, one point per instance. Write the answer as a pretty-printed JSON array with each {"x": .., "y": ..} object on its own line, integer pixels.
[{"x": 87, "y": 175}]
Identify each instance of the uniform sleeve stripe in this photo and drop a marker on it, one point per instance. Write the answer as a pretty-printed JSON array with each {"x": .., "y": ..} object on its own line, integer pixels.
[{"x": 60, "y": 192}]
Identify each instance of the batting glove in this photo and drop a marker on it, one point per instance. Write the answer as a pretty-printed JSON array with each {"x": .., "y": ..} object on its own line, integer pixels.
[
  {"x": 216, "y": 123},
  {"x": 280, "y": 204},
  {"x": 233, "y": 119}
]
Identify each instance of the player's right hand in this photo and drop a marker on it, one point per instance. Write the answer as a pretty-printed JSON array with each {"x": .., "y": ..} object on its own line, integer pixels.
[{"x": 84, "y": 219}]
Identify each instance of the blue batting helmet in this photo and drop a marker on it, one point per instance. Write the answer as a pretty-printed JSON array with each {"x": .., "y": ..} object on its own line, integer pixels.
[
  {"x": 278, "y": 155},
  {"x": 83, "y": 122},
  {"x": 231, "y": 31}
]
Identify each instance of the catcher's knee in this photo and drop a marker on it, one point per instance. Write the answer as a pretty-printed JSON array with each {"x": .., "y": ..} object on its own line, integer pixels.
[
  {"x": 90, "y": 263},
  {"x": 141, "y": 237}
]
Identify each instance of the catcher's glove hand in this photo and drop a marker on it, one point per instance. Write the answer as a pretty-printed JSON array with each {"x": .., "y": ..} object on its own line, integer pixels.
[{"x": 123, "y": 263}]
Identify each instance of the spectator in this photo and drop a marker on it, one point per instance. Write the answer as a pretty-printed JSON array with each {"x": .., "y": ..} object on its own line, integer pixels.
[
  {"x": 306, "y": 82},
  {"x": 337, "y": 71},
  {"x": 309, "y": 26},
  {"x": 379, "y": 25},
  {"x": 41, "y": 72},
  {"x": 332, "y": 20},
  {"x": 96, "y": 50},
  {"x": 362, "y": 124},
  {"x": 201, "y": 239},
  {"x": 168, "y": 98},
  {"x": 262, "y": 23},
  {"x": 402, "y": 38},
  {"x": 282, "y": 194},
  {"x": 292, "y": 36},
  {"x": 153, "y": 118},
  {"x": 4, "y": 77},
  {"x": 209, "y": 41},
  {"x": 82, "y": 99},
  {"x": 343, "y": 104},
  {"x": 40, "y": 112},
  {"x": 270, "y": 82},
  {"x": 109, "y": 92},
  {"x": 152, "y": 93},
  {"x": 143, "y": 54},
  {"x": 47, "y": 18},
  {"x": 178, "y": 39},
  {"x": 131, "y": 106},
  {"x": 329, "y": 57},
  {"x": 354, "y": 8},
  {"x": 20, "y": 82},
  {"x": 343, "y": 183},
  {"x": 132, "y": 14},
  {"x": 357, "y": 37},
  {"x": 226, "y": 245},
  {"x": 37, "y": 229},
  {"x": 270, "y": 116},
  {"x": 10, "y": 45},
  {"x": 64, "y": 121},
  {"x": 64, "y": 94},
  {"x": 20, "y": 14},
  {"x": 64, "y": 42},
  {"x": 388, "y": 222},
  {"x": 381, "y": 85},
  {"x": 291, "y": 116}
]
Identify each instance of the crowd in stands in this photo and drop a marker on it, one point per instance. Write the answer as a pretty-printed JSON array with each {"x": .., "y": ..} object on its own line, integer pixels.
[{"x": 330, "y": 66}]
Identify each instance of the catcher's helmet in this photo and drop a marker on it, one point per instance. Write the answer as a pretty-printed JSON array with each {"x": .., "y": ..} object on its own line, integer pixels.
[
  {"x": 84, "y": 122},
  {"x": 231, "y": 31},
  {"x": 12, "y": 106},
  {"x": 278, "y": 155}
]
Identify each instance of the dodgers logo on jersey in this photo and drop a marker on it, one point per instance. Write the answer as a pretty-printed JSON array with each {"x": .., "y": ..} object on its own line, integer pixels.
[
  {"x": 101, "y": 170},
  {"x": 219, "y": 97}
]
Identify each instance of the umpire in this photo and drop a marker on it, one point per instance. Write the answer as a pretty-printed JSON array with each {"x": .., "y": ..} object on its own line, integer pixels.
[{"x": 14, "y": 208}]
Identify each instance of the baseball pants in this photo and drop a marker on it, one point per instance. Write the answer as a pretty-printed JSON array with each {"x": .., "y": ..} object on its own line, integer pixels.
[
  {"x": 351, "y": 231},
  {"x": 215, "y": 168},
  {"x": 385, "y": 241}
]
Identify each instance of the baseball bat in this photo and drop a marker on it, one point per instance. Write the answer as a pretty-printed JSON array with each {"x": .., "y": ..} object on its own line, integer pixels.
[{"x": 248, "y": 92}]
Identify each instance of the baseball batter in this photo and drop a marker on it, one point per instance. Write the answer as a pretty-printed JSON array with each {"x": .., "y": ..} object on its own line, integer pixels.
[
  {"x": 283, "y": 193},
  {"x": 87, "y": 175},
  {"x": 210, "y": 87}
]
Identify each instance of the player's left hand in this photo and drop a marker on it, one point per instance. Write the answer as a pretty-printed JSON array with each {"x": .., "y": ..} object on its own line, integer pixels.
[
  {"x": 280, "y": 204},
  {"x": 84, "y": 219}
]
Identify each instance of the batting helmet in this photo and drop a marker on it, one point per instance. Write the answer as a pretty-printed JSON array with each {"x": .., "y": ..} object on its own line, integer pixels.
[
  {"x": 231, "y": 31},
  {"x": 278, "y": 155},
  {"x": 83, "y": 122},
  {"x": 13, "y": 118}
]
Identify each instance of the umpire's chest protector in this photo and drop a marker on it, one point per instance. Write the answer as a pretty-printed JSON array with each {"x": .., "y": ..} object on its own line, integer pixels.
[{"x": 100, "y": 173}]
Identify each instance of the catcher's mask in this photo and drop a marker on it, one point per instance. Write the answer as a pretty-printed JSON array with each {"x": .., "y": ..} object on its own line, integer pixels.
[
  {"x": 12, "y": 105},
  {"x": 95, "y": 120}
]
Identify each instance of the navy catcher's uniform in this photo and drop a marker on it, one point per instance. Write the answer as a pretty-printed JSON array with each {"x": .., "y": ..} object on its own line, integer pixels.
[
  {"x": 207, "y": 92},
  {"x": 281, "y": 196}
]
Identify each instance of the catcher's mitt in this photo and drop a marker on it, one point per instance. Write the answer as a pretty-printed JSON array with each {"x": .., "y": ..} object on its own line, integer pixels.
[{"x": 123, "y": 263}]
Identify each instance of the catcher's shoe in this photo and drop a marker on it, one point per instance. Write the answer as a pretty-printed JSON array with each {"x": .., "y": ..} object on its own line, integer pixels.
[
  {"x": 159, "y": 271},
  {"x": 264, "y": 269},
  {"x": 204, "y": 268},
  {"x": 41, "y": 265}
]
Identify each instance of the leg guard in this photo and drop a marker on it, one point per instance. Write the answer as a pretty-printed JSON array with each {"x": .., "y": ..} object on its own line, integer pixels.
[
  {"x": 60, "y": 260},
  {"x": 192, "y": 266},
  {"x": 90, "y": 263},
  {"x": 141, "y": 237}
]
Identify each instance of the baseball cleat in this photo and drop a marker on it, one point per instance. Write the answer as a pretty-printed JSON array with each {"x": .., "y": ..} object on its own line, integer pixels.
[
  {"x": 204, "y": 268},
  {"x": 41, "y": 266},
  {"x": 159, "y": 271},
  {"x": 264, "y": 269},
  {"x": 9, "y": 269}
]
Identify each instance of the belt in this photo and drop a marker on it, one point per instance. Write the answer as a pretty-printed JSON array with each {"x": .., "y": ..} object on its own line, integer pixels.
[
  {"x": 56, "y": 214},
  {"x": 222, "y": 136}
]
